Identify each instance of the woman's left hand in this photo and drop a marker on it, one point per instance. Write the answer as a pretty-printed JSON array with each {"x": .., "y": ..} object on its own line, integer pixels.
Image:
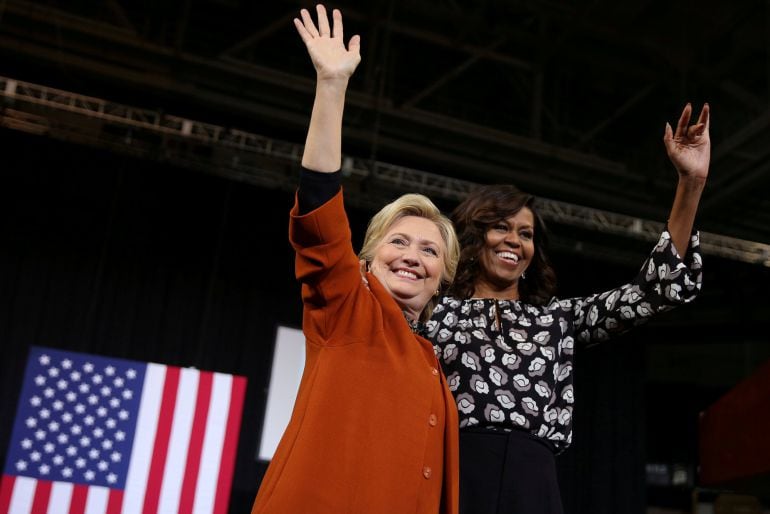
[{"x": 689, "y": 147}]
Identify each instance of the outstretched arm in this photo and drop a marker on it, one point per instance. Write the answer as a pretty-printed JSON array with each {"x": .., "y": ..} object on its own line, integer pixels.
[
  {"x": 334, "y": 64},
  {"x": 689, "y": 148}
]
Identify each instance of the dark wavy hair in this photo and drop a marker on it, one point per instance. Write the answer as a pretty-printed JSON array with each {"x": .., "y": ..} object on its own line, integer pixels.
[{"x": 483, "y": 208}]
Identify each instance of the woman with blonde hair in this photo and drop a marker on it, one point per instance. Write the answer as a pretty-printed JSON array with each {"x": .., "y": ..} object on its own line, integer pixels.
[{"x": 374, "y": 428}]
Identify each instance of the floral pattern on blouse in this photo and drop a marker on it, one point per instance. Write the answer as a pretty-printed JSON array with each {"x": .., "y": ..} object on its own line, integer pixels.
[{"x": 509, "y": 364}]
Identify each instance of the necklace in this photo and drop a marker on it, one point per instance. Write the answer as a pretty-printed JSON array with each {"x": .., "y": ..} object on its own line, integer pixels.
[{"x": 417, "y": 326}]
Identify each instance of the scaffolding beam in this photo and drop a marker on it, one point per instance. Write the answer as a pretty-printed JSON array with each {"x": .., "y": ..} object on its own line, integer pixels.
[{"x": 269, "y": 162}]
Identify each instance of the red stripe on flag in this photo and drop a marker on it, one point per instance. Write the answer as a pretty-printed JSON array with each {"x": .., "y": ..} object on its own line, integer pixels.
[
  {"x": 79, "y": 497},
  {"x": 196, "y": 442},
  {"x": 230, "y": 443},
  {"x": 42, "y": 497},
  {"x": 115, "y": 502},
  {"x": 162, "y": 436},
  {"x": 6, "y": 489}
]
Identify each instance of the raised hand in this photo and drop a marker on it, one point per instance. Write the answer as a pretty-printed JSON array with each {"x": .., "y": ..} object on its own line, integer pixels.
[
  {"x": 332, "y": 61},
  {"x": 689, "y": 147}
]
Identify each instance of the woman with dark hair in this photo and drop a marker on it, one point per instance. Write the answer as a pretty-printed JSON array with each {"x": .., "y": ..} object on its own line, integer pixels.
[
  {"x": 485, "y": 208},
  {"x": 506, "y": 344}
]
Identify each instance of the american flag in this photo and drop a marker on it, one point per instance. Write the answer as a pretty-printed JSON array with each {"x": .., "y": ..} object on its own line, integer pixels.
[{"x": 105, "y": 435}]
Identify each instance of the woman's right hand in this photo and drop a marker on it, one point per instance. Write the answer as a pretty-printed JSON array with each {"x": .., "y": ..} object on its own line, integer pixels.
[{"x": 332, "y": 61}]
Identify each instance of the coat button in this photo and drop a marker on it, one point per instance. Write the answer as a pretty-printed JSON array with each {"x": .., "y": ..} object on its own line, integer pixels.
[
  {"x": 434, "y": 371},
  {"x": 432, "y": 420},
  {"x": 427, "y": 472}
]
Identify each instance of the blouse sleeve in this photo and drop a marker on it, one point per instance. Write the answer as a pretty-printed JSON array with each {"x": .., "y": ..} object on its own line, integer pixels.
[
  {"x": 316, "y": 188},
  {"x": 664, "y": 281}
]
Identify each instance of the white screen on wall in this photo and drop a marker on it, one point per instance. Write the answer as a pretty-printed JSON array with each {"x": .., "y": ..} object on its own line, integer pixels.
[{"x": 288, "y": 363}]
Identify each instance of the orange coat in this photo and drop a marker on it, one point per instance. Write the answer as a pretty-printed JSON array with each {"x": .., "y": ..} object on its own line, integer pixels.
[{"x": 363, "y": 436}]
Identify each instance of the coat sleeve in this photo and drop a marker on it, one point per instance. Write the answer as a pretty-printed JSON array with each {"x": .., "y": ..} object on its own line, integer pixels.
[
  {"x": 326, "y": 266},
  {"x": 664, "y": 281}
]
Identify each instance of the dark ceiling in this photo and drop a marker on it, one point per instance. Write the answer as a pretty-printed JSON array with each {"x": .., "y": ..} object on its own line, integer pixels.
[{"x": 566, "y": 100}]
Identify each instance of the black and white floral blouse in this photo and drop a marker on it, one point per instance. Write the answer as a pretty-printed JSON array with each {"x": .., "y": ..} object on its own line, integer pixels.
[{"x": 509, "y": 364}]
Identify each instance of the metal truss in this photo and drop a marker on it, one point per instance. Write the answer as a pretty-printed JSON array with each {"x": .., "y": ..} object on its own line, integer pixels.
[{"x": 269, "y": 162}]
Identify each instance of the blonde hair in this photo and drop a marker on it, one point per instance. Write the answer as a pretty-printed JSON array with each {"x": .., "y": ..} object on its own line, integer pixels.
[{"x": 420, "y": 206}]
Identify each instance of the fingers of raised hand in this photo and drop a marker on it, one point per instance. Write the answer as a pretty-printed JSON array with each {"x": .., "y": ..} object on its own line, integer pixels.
[
  {"x": 684, "y": 120},
  {"x": 668, "y": 140},
  {"x": 705, "y": 115},
  {"x": 307, "y": 21},
  {"x": 323, "y": 21},
  {"x": 355, "y": 45},
  {"x": 686, "y": 133},
  {"x": 302, "y": 31},
  {"x": 337, "y": 24},
  {"x": 308, "y": 30},
  {"x": 696, "y": 131}
]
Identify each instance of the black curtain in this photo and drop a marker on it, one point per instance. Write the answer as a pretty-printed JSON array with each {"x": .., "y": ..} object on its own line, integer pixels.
[
  {"x": 603, "y": 472},
  {"x": 106, "y": 254}
]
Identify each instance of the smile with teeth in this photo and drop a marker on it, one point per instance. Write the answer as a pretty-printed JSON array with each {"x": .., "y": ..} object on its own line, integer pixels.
[
  {"x": 407, "y": 274},
  {"x": 508, "y": 256}
]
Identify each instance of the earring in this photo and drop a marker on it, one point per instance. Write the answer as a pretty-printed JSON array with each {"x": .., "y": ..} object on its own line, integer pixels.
[
  {"x": 436, "y": 293},
  {"x": 523, "y": 275}
]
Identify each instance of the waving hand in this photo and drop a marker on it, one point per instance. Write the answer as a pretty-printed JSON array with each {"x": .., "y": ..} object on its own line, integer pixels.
[
  {"x": 334, "y": 64},
  {"x": 326, "y": 45},
  {"x": 689, "y": 147}
]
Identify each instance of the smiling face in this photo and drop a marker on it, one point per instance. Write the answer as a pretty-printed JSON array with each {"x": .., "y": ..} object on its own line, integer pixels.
[
  {"x": 409, "y": 262},
  {"x": 508, "y": 251}
]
